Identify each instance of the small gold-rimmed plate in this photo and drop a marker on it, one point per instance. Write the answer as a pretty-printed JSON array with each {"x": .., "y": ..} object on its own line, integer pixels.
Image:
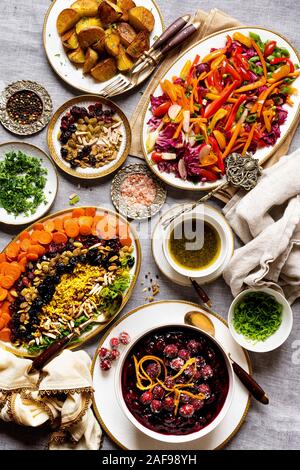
[
  {"x": 89, "y": 172},
  {"x": 50, "y": 189},
  {"x": 137, "y": 211},
  {"x": 39, "y": 93}
]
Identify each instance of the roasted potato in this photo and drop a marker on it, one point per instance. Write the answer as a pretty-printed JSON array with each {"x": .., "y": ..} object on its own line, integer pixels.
[
  {"x": 99, "y": 46},
  {"x": 140, "y": 44},
  {"x": 91, "y": 58},
  {"x": 105, "y": 70},
  {"x": 66, "y": 20},
  {"x": 141, "y": 19},
  {"x": 126, "y": 33},
  {"x": 77, "y": 56},
  {"x": 109, "y": 12},
  {"x": 125, "y": 6},
  {"x": 124, "y": 62},
  {"x": 86, "y": 7},
  {"x": 89, "y": 36},
  {"x": 70, "y": 39},
  {"x": 112, "y": 42},
  {"x": 87, "y": 22}
]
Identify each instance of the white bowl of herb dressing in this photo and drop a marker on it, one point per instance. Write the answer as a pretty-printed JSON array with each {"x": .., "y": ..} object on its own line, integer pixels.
[
  {"x": 196, "y": 244},
  {"x": 260, "y": 319}
]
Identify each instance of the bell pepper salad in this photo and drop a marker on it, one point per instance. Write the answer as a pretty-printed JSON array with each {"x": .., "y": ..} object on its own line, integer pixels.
[{"x": 231, "y": 100}]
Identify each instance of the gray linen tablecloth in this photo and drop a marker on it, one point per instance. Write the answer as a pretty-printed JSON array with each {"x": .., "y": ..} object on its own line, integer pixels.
[{"x": 22, "y": 57}]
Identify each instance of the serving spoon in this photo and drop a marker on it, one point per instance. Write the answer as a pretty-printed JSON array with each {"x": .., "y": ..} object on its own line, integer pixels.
[
  {"x": 46, "y": 356},
  {"x": 204, "y": 323}
]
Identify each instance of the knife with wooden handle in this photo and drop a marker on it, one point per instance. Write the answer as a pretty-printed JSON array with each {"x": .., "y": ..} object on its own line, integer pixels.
[
  {"x": 170, "y": 32},
  {"x": 181, "y": 37}
]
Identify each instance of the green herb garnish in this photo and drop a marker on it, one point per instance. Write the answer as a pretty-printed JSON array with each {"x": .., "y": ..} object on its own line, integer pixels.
[
  {"x": 257, "y": 316},
  {"x": 22, "y": 183}
]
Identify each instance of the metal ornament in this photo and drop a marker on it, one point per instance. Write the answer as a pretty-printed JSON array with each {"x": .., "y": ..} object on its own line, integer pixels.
[{"x": 241, "y": 172}]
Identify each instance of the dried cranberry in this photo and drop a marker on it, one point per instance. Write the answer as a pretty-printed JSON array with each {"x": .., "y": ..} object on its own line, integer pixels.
[
  {"x": 184, "y": 354},
  {"x": 207, "y": 372},
  {"x": 114, "y": 354},
  {"x": 91, "y": 108},
  {"x": 153, "y": 370},
  {"x": 193, "y": 346},
  {"x": 197, "y": 404},
  {"x": 187, "y": 411},
  {"x": 168, "y": 403},
  {"x": 158, "y": 392},
  {"x": 146, "y": 398},
  {"x": 160, "y": 344},
  {"x": 105, "y": 364},
  {"x": 114, "y": 342},
  {"x": 104, "y": 353},
  {"x": 156, "y": 406},
  {"x": 124, "y": 338},
  {"x": 177, "y": 363},
  {"x": 171, "y": 350},
  {"x": 25, "y": 281}
]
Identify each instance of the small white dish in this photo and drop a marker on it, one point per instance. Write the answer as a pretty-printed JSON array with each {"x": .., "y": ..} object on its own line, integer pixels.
[
  {"x": 173, "y": 438},
  {"x": 50, "y": 189},
  {"x": 275, "y": 340},
  {"x": 167, "y": 269}
]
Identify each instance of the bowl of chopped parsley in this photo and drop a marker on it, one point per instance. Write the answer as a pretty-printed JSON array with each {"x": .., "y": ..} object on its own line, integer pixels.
[
  {"x": 28, "y": 183},
  {"x": 260, "y": 320}
]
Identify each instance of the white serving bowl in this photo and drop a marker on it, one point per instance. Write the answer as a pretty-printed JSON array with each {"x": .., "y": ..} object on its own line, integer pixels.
[
  {"x": 213, "y": 219},
  {"x": 274, "y": 341},
  {"x": 171, "y": 438}
]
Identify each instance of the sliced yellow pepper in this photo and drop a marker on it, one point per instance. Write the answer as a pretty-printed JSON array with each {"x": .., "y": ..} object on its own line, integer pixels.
[
  {"x": 251, "y": 86},
  {"x": 217, "y": 62},
  {"x": 220, "y": 114},
  {"x": 213, "y": 55},
  {"x": 204, "y": 130},
  {"x": 280, "y": 73},
  {"x": 208, "y": 160},
  {"x": 186, "y": 69},
  {"x": 220, "y": 137},
  {"x": 242, "y": 39},
  {"x": 267, "y": 121}
]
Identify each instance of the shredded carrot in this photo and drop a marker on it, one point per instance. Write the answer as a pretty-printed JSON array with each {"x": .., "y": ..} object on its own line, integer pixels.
[
  {"x": 261, "y": 57},
  {"x": 178, "y": 130},
  {"x": 232, "y": 140}
]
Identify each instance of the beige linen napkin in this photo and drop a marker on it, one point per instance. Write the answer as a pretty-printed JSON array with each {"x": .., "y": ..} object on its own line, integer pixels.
[
  {"x": 211, "y": 22},
  {"x": 60, "y": 395},
  {"x": 267, "y": 220}
]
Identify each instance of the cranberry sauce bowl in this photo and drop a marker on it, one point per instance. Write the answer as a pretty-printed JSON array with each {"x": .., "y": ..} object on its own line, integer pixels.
[{"x": 175, "y": 383}]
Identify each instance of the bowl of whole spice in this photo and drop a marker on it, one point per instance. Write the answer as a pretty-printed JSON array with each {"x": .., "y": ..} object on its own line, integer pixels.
[
  {"x": 260, "y": 319},
  {"x": 28, "y": 183}
]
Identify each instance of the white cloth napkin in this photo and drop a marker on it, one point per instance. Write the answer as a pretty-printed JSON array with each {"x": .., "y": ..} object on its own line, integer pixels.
[
  {"x": 60, "y": 395},
  {"x": 267, "y": 220}
]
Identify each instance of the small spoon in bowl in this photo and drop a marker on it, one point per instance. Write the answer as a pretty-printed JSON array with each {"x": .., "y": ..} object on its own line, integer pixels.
[{"x": 204, "y": 323}]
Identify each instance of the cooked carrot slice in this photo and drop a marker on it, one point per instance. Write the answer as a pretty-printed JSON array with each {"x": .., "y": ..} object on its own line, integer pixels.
[
  {"x": 37, "y": 249},
  {"x": 71, "y": 228},
  {"x": 67, "y": 217},
  {"x": 3, "y": 293},
  {"x": 6, "y": 318},
  {"x": 60, "y": 237},
  {"x": 38, "y": 226},
  {"x": 23, "y": 263},
  {"x": 25, "y": 244},
  {"x": 49, "y": 226},
  {"x": 13, "y": 270},
  {"x": 78, "y": 212},
  {"x": 3, "y": 266},
  {"x": 24, "y": 235},
  {"x": 90, "y": 211},
  {"x": 12, "y": 250},
  {"x": 85, "y": 230},
  {"x": 59, "y": 224},
  {"x": 5, "y": 307},
  {"x": 2, "y": 323},
  {"x": 32, "y": 256},
  {"x": 35, "y": 236},
  {"x": 7, "y": 282},
  {"x": 85, "y": 220},
  {"x": 21, "y": 256},
  {"x": 45, "y": 237},
  {"x": 5, "y": 335},
  {"x": 2, "y": 257}
]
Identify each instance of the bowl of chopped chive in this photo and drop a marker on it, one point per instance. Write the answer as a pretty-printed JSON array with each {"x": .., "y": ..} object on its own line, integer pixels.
[{"x": 260, "y": 319}]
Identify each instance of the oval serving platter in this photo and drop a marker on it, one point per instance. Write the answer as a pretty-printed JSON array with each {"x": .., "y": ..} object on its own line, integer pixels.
[
  {"x": 134, "y": 272},
  {"x": 50, "y": 190},
  {"x": 55, "y": 146},
  {"x": 202, "y": 48},
  {"x": 58, "y": 59}
]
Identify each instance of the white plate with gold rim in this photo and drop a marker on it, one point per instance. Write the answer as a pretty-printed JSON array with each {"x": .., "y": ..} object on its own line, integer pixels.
[
  {"x": 159, "y": 253},
  {"x": 106, "y": 405},
  {"x": 202, "y": 48},
  {"x": 57, "y": 56}
]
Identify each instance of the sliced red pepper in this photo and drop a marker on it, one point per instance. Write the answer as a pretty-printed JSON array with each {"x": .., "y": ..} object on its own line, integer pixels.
[
  {"x": 229, "y": 41},
  {"x": 231, "y": 71},
  {"x": 286, "y": 60},
  {"x": 212, "y": 107},
  {"x": 234, "y": 110},
  {"x": 240, "y": 69},
  {"x": 269, "y": 49},
  {"x": 162, "y": 109},
  {"x": 156, "y": 157},
  {"x": 195, "y": 62},
  {"x": 209, "y": 175},
  {"x": 243, "y": 61},
  {"x": 217, "y": 81},
  {"x": 215, "y": 147}
]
